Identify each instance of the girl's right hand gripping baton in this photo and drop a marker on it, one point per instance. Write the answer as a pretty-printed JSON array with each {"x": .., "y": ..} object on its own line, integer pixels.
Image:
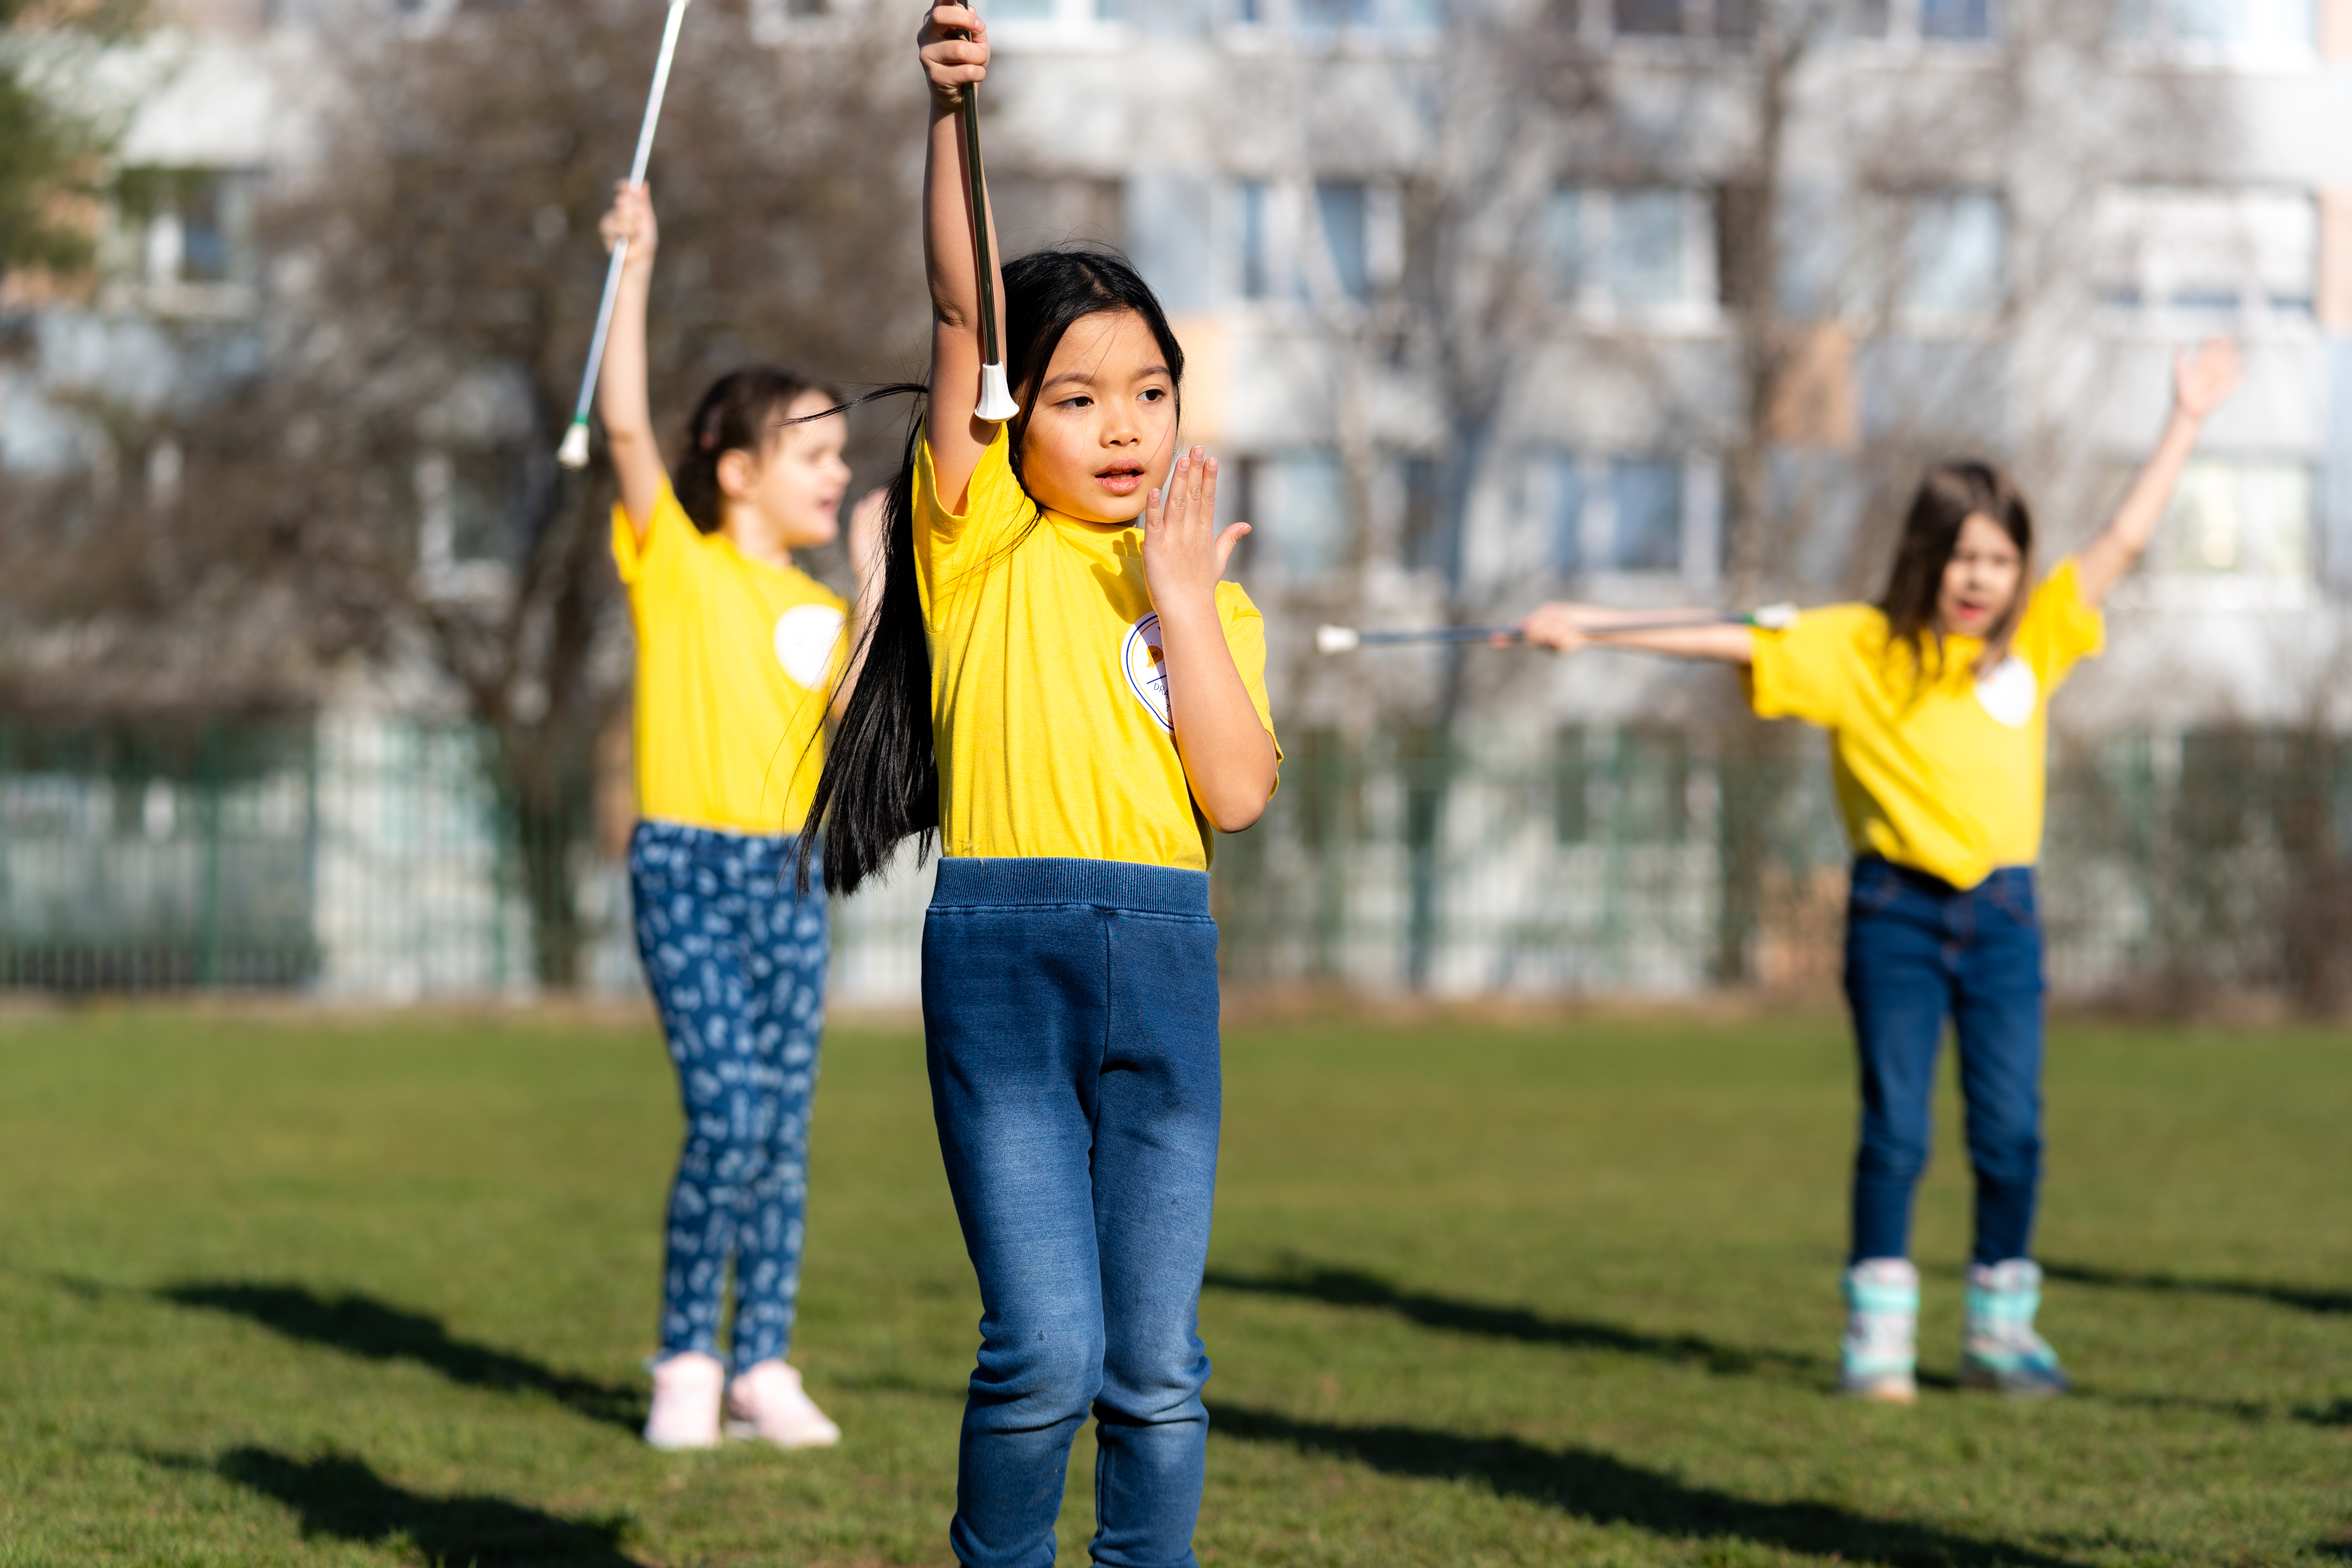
[{"x": 573, "y": 453}]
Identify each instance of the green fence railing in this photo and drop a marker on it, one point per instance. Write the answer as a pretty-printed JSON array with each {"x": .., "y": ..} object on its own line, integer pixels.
[{"x": 349, "y": 856}]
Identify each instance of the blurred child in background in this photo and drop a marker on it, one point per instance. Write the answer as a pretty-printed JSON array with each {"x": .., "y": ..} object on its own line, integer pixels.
[
  {"x": 736, "y": 649},
  {"x": 1936, "y": 698}
]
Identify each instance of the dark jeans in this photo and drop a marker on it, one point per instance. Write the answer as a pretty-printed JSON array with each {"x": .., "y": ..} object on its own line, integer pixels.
[
  {"x": 737, "y": 964},
  {"x": 1918, "y": 951},
  {"x": 1070, "y": 1010}
]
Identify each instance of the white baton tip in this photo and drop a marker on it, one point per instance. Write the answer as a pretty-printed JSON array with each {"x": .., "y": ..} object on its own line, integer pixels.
[
  {"x": 1776, "y": 618},
  {"x": 996, "y": 404},
  {"x": 1336, "y": 639},
  {"x": 573, "y": 453}
]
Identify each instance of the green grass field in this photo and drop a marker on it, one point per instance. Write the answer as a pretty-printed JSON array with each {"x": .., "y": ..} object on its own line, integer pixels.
[{"x": 311, "y": 1290}]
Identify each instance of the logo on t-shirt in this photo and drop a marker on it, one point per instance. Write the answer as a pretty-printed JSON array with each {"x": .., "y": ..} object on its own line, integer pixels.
[
  {"x": 805, "y": 637},
  {"x": 2008, "y": 692},
  {"x": 1147, "y": 667}
]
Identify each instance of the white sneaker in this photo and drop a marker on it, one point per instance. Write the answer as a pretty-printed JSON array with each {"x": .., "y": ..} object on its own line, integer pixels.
[
  {"x": 686, "y": 1401},
  {"x": 769, "y": 1402}
]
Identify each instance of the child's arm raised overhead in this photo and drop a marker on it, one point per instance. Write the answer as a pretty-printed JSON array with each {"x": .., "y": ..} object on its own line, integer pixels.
[
  {"x": 1229, "y": 758},
  {"x": 954, "y": 48},
  {"x": 2200, "y": 383},
  {"x": 621, "y": 383}
]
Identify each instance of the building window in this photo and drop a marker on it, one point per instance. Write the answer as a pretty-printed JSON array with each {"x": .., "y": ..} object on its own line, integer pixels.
[
  {"x": 1425, "y": 543},
  {"x": 189, "y": 230},
  {"x": 1647, "y": 247},
  {"x": 2227, "y": 27},
  {"x": 2209, "y": 252},
  {"x": 1340, "y": 208},
  {"x": 1954, "y": 19},
  {"x": 1642, "y": 251},
  {"x": 1329, "y": 14},
  {"x": 1560, "y": 508},
  {"x": 1620, "y": 514},
  {"x": 1730, "y": 20},
  {"x": 1646, "y": 528},
  {"x": 2244, "y": 517},
  {"x": 1256, "y": 239},
  {"x": 1301, "y": 499},
  {"x": 1953, "y": 265},
  {"x": 1928, "y": 21}
]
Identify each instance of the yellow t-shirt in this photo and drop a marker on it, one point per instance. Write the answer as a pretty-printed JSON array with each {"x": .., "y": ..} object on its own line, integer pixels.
[
  {"x": 1938, "y": 769},
  {"x": 735, "y": 658},
  {"x": 1048, "y": 704}
]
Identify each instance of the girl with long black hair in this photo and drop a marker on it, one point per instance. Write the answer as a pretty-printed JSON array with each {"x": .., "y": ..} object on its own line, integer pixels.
[
  {"x": 1936, "y": 701},
  {"x": 1060, "y": 688}
]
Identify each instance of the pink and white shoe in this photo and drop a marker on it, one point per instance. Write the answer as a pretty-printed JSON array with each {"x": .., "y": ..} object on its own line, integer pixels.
[
  {"x": 769, "y": 1402},
  {"x": 686, "y": 1401}
]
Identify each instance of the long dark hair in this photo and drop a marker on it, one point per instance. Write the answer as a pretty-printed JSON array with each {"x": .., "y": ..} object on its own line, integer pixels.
[
  {"x": 1948, "y": 495},
  {"x": 740, "y": 412},
  {"x": 881, "y": 779}
]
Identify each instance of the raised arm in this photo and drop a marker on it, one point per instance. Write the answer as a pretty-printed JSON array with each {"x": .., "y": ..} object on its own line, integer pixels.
[
  {"x": 1565, "y": 627},
  {"x": 954, "y": 47},
  {"x": 621, "y": 384},
  {"x": 2201, "y": 382}
]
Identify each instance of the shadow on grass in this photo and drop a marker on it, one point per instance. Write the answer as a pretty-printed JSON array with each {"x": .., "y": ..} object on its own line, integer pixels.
[
  {"x": 341, "y": 1496},
  {"x": 2336, "y": 1415},
  {"x": 1355, "y": 1287},
  {"x": 1601, "y": 1489},
  {"x": 363, "y": 1326},
  {"x": 2301, "y": 1297}
]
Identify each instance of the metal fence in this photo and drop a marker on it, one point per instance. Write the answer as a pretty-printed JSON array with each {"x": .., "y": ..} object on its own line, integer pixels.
[{"x": 365, "y": 857}]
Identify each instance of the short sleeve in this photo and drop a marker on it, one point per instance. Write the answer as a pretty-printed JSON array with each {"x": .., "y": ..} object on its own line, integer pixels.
[
  {"x": 665, "y": 535},
  {"x": 1807, "y": 670},
  {"x": 1245, "y": 640},
  {"x": 2059, "y": 626},
  {"x": 995, "y": 504}
]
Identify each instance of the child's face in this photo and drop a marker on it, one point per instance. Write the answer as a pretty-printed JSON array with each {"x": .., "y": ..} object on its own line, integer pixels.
[
  {"x": 793, "y": 491},
  {"x": 1980, "y": 579},
  {"x": 1102, "y": 421}
]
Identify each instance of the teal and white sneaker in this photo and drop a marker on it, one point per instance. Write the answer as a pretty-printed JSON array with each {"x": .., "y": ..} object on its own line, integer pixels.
[
  {"x": 1878, "y": 1359},
  {"x": 2000, "y": 1351}
]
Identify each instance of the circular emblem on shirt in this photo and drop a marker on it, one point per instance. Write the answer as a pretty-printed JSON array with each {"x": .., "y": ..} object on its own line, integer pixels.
[
  {"x": 805, "y": 637},
  {"x": 2008, "y": 692},
  {"x": 1147, "y": 667}
]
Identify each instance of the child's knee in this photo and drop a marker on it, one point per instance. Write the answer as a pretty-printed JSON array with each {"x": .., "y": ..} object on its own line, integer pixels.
[
  {"x": 1036, "y": 1376},
  {"x": 1155, "y": 1378}
]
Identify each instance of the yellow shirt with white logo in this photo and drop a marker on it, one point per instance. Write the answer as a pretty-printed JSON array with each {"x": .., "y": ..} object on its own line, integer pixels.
[
  {"x": 735, "y": 658},
  {"x": 1048, "y": 701},
  {"x": 1937, "y": 768}
]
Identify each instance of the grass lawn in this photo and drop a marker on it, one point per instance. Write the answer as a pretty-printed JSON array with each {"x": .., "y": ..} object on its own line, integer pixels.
[{"x": 324, "y": 1291}]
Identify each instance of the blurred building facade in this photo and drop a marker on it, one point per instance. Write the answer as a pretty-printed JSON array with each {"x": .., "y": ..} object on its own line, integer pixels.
[{"x": 1642, "y": 302}]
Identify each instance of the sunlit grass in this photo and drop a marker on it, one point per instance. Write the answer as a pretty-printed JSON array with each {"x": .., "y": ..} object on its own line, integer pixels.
[{"x": 377, "y": 1293}]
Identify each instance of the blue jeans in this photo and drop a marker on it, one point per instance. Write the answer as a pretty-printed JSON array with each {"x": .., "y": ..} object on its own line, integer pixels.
[
  {"x": 1070, "y": 1013},
  {"x": 736, "y": 963},
  {"x": 1918, "y": 951}
]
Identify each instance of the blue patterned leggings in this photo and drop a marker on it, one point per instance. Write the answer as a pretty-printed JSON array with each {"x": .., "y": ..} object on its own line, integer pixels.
[{"x": 736, "y": 963}]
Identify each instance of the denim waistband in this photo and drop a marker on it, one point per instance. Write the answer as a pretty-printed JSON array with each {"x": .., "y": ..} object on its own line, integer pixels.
[
  {"x": 1113, "y": 884},
  {"x": 686, "y": 836},
  {"x": 1928, "y": 882}
]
